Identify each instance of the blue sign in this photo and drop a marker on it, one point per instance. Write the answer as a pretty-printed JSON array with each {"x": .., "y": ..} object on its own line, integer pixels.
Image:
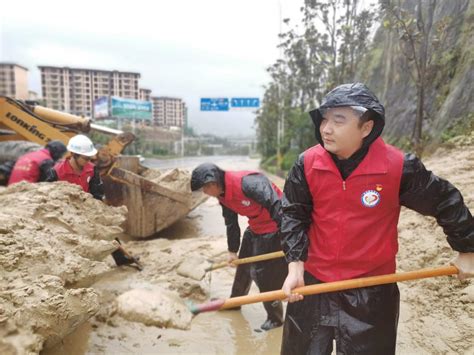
[
  {"x": 215, "y": 104},
  {"x": 245, "y": 102}
]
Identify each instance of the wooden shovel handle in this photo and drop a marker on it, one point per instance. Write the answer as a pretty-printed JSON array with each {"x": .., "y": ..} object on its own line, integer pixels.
[
  {"x": 341, "y": 285},
  {"x": 251, "y": 259}
]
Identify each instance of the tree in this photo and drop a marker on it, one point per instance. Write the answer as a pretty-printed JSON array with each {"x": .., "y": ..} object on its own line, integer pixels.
[
  {"x": 324, "y": 52},
  {"x": 419, "y": 38}
]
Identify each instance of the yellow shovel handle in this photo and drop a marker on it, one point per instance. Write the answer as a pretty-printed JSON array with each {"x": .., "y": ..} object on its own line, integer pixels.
[
  {"x": 341, "y": 285},
  {"x": 251, "y": 259}
]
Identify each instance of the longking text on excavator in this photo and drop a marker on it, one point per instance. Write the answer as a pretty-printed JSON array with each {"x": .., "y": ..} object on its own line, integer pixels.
[{"x": 154, "y": 200}]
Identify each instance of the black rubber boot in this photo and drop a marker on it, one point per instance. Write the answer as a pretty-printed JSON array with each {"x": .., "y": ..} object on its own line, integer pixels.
[{"x": 270, "y": 324}]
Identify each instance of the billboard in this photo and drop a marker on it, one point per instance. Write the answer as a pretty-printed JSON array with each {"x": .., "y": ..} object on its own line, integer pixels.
[
  {"x": 101, "y": 107},
  {"x": 130, "y": 108}
]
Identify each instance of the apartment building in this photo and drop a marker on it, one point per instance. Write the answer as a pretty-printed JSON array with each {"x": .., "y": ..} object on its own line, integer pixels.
[
  {"x": 168, "y": 111},
  {"x": 74, "y": 90},
  {"x": 14, "y": 81},
  {"x": 144, "y": 94}
]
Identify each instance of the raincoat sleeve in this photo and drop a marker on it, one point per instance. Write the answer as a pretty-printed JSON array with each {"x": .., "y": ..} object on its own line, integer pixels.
[
  {"x": 296, "y": 205},
  {"x": 48, "y": 174},
  {"x": 233, "y": 230},
  {"x": 428, "y": 194},
  {"x": 258, "y": 188}
]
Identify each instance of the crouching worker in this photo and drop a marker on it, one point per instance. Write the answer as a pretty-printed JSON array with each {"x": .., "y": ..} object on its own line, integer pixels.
[
  {"x": 34, "y": 166},
  {"x": 78, "y": 169},
  {"x": 252, "y": 195}
]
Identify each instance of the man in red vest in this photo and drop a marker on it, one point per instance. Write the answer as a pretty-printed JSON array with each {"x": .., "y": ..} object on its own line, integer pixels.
[
  {"x": 34, "y": 166},
  {"x": 340, "y": 208},
  {"x": 78, "y": 169},
  {"x": 249, "y": 194}
]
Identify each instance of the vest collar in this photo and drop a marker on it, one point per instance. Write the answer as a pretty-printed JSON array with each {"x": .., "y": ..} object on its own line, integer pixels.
[
  {"x": 228, "y": 192},
  {"x": 375, "y": 162},
  {"x": 67, "y": 168}
]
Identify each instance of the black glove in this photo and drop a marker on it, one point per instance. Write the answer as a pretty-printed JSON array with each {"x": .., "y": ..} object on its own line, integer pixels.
[
  {"x": 96, "y": 185},
  {"x": 47, "y": 172}
]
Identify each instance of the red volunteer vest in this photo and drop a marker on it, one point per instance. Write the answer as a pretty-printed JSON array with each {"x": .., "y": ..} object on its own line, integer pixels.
[
  {"x": 27, "y": 166},
  {"x": 260, "y": 221},
  {"x": 66, "y": 173},
  {"x": 354, "y": 222}
]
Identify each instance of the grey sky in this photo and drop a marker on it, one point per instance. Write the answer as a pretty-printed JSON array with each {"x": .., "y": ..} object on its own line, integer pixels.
[{"x": 183, "y": 48}]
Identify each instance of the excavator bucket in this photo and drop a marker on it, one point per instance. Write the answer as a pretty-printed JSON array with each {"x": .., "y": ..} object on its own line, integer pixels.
[{"x": 155, "y": 200}]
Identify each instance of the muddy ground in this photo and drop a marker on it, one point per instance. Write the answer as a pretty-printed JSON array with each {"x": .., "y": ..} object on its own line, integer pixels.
[{"x": 54, "y": 293}]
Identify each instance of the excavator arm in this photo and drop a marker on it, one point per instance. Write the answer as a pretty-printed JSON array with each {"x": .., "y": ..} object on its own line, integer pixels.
[{"x": 34, "y": 123}]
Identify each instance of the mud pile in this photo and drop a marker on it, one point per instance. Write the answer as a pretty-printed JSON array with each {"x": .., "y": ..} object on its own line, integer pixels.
[
  {"x": 437, "y": 314},
  {"x": 52, "y": 236}
]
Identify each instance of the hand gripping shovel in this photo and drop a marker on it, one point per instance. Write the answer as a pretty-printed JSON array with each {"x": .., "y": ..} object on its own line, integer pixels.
[
  {"x": 252, "y": 259},
  {"x": 221, "y": 304}
]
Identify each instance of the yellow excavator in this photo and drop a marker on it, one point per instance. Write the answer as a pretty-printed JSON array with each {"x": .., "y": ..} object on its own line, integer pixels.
[
  {"x": 126, "y": 181},
  {"x": 26, "y": 121}
]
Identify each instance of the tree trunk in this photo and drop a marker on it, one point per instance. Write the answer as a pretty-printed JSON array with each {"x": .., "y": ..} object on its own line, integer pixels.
[
  {"x": 425, "y": 29},
  {"x": 419, "y": 118}
]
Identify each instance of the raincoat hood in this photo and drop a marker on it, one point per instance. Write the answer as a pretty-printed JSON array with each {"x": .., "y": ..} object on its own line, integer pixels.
[
  {"x": 354, "y": 94},
  {"x": 57, "y": 149},
  {"x": 205, "y": 173}
]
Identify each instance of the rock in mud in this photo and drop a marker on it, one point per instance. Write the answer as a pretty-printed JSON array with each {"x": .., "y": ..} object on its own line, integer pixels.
[
  {"x": 193, "y": 267},
  {"x": 156, "y": 306}
]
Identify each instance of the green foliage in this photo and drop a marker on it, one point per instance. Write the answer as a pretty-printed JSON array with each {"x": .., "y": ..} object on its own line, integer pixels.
[
  {"x": 99, "y": 138},
  {"x": 404, "y": 143},
  {"x": 324, "y": 52},
  {"x": 289, "y": 159},
  {"x": 371, "y": 63},
  {"x": 460, "y": 127},
  {"x": 189, "y": 132},
  {"x": 270, "y": 164}
]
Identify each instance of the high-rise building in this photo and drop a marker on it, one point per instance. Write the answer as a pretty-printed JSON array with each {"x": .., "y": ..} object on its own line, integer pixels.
[
  {"x": 74, "y": 90},
  {"x": 168, "y": 111},
  {"x": 144, "y": 94},
  {"x": 14, "y": 81}
]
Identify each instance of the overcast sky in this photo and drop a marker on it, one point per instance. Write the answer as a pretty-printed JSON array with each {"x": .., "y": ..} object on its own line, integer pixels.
[{"x": 182, "y": 48}]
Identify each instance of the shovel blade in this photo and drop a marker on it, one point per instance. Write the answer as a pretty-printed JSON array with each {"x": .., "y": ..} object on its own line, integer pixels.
[{"x": 210, "y": 306}]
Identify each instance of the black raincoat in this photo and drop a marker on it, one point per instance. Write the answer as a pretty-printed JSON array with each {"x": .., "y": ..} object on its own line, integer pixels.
[
  {"x": 268, "y": 275},
  {"x": 362, "y": 321}
]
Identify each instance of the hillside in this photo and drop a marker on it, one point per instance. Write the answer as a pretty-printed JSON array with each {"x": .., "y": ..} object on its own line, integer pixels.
[{"x": 449, "y": 94}]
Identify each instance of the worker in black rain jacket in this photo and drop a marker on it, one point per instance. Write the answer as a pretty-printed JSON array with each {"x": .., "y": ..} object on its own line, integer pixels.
[
  {"x": 249, "y": 194},
  {"x": 340, "y": 208}
]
